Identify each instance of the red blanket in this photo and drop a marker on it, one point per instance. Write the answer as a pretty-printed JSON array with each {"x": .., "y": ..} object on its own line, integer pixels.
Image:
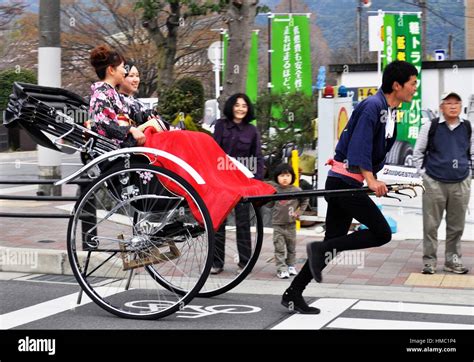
[{"x": 225, "y": 185}]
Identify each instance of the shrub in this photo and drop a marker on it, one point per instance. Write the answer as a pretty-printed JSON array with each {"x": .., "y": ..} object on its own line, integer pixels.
[
  {"x": 8, "y": 77},
  {"x": 186, "y": 96}
]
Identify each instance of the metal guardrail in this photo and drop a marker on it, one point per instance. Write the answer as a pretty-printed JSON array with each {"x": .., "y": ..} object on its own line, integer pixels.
[{"x": 82, "y": 183}]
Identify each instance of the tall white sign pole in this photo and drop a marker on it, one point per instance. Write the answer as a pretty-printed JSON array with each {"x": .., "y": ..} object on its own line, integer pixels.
[
  {"x": 375, "y": 39},
  {"x": 215, "y": 55},
  {"x": 49, "y": 74}
]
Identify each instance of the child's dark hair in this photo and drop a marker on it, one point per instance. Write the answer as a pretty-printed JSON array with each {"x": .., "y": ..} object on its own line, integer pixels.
[
  {"x": 284, "y": 168},
  {"x": 397, "y": 71},
  {"x": 103, "y": 56},
  {"x": 229, "y": 107}
]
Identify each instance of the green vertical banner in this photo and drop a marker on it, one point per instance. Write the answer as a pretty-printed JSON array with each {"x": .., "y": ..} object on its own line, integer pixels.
[
  {"x": 290, "y": 57},
  {"x": 252, "y": 65},
  {"x": 252, "y": 69},
  {"x": 291, "y": 54},
  {"x": 402, "y": 41},
  {"x": 225, "y": 47}
]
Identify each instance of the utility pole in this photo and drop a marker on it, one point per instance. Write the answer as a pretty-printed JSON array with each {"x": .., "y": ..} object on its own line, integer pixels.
[
  {"x": 360, "y": 5},
  {"x": 422, "y": 4},
  {"x": 359, "y": 31},
  {"x": 49, "y": 74},
  {"x": 450, "y": 46}
]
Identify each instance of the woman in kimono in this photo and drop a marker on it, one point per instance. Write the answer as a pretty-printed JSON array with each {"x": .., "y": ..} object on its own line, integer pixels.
[{"x": 110, "y": 117}]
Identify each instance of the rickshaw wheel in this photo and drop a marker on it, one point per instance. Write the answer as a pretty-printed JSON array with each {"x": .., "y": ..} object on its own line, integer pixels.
[
  {"x": 246, "y": 239},
  {"x": 133, "y": 220}
]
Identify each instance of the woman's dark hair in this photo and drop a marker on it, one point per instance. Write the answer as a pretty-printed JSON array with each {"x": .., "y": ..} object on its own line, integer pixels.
[
  {"x": 103, "y": 56},
  {"x": 397, "y": 71},
  {"x": 284, "y": 168},
  {"x": 229, "y": 107},
  {"x": 129, "y": 64}
]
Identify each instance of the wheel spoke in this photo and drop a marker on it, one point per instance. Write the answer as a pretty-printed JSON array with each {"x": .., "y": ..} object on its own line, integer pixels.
[{"x": 143, "y": 254}]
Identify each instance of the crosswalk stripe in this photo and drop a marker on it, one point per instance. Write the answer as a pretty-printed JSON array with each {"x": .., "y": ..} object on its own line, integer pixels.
[
  {"x": 366, "y": 323},
  {"x": 330, "y": 309},
  {"x": 49, "y": 308},
  {"x": 12, "y": 190},
  {"x": 414, "y": 308}
]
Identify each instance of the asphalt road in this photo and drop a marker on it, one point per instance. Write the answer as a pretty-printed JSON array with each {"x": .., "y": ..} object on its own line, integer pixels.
[
  {"x": 40, "y": 311},
  {"x": 48, "y": 302}
]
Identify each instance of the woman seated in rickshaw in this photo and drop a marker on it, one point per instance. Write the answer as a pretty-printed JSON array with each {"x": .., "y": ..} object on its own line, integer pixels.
[{"x": 109, "y": 116}]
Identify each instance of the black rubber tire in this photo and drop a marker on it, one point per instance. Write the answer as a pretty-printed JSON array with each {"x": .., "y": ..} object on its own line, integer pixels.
[
  {"x": 89, "y": 290},
  {"x": 238, "y": 278}
]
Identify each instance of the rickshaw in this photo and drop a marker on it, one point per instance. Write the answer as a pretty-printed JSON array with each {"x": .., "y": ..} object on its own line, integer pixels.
[{"x": 134, "y": 245}]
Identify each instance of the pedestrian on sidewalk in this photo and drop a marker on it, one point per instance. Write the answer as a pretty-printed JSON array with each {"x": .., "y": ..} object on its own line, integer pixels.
[
  {"x": 443, "y": 156},
  {"x": 284, "y": 216},
  {"x": 241, "y": 140},
  {"x": 360, "y": 154}
]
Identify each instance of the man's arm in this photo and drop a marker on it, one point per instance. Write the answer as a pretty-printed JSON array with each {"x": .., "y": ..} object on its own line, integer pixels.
[
  {"x": 378, "y": 187},
  {"x": 472, "y": 145},
  {"x": 420, "y": 146}
]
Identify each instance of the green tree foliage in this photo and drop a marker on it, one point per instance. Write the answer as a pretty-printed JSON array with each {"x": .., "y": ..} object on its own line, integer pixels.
[
  {"x": 276, "y": 132},
  {"x": 8, "y": 77},
  {"x": 193, "y": 88},
  {"x": 184, "y": 102}
]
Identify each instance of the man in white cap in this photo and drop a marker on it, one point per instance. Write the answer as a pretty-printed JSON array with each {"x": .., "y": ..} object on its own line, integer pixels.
[{"x": 443, "y": 156}]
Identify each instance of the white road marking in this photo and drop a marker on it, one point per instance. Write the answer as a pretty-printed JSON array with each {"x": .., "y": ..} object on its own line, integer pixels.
[
  {"x": 12, "y": 190},
  {"x": 366, "y": 323},
  {"x": 414, "y": 308},
  {"x": 330, "y": 309},
  {"x": 33, "y": 163},
  {"x": 49, "y": 308}
]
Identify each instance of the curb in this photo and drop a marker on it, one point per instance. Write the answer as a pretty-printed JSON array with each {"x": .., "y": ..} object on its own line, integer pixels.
[
  {"x": 18, "y": 155},
  {"x": 30, "y": 260},
  {"x": 38, "y": 261}
]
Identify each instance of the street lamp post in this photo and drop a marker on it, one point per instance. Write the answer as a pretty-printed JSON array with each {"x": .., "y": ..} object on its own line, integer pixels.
[
  {"x": 359, "y": 30},
  {"x": 360, "y": 4}
]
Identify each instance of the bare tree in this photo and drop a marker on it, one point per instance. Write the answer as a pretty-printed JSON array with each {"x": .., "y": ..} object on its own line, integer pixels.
[
  {"x": 9, "y": 32},
  {"x": 19, "y": 44},
  {"x": 119, "y": 24},
  {"x": 240, "y": 18},
  {"x": 168, "y": 22},
  {"x": 9, "y": 12},
  {"x": 191, "y": 57},
  {"x": 86, "y": 25}
]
